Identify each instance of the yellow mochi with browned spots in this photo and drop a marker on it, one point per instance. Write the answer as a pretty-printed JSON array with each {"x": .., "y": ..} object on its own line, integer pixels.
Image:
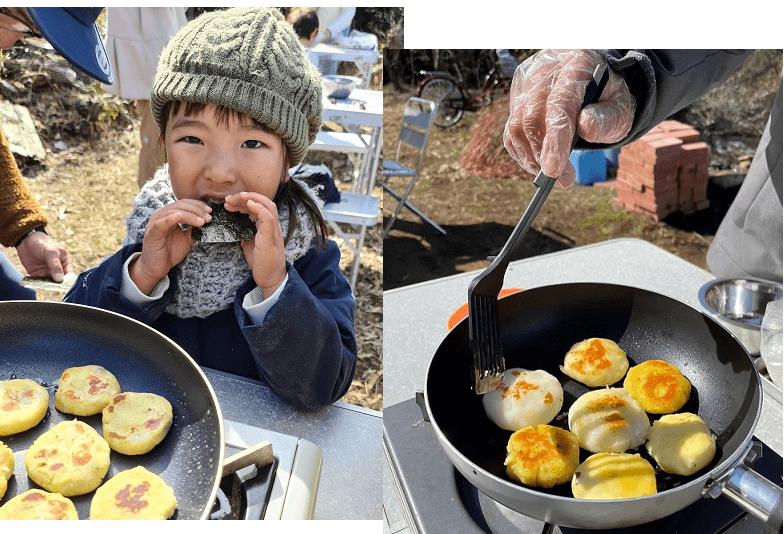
[
  {"x": 134, "y": 423},
  {"x": 542, "y": 456},
  {"x": 7, "y": 465},
  {"x": 658, "y": 386},
  {"x": 85, "y": 390},
  {"x": 70, "y": 459},
  {"x": 134, "y": 494},
  {"x": 595, "y": 362},
  {"x": 36, "y": 504},
  {"x": 23, "y": 404}
]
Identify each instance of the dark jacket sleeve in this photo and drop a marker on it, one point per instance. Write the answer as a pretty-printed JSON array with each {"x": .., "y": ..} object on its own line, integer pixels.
[
  {"x": 665, "y": 81},
  {"x": 100, "y": 287},
  {"x": 306, "y": 349}
]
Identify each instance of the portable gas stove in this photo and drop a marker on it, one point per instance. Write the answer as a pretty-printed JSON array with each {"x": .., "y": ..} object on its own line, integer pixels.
[
  {"x": 329, "y": 460},
  {"x": 425, "y": 494},
  {"x": 284, "y": 489}
]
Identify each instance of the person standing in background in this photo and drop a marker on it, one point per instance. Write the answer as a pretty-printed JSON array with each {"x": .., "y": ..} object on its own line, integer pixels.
[
  {"x": 333, "y": 21},
  {"x": 506, "y": 62},
  {"x": 306, "y": 24},
  {"x": 135, "y": 37},
  {"x": 73, "y": 34}
]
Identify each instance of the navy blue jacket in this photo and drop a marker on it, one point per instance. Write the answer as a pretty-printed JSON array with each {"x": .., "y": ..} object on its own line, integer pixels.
[
  {"x": 665, "y": 81},
  {"x": 305, "y": 351}
]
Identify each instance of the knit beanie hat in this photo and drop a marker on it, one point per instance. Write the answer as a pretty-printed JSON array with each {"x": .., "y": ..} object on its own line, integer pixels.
[{"x": 248, "y": 59}]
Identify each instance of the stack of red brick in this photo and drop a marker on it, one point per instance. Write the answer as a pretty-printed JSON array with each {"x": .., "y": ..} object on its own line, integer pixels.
[{"x": 663, "y": 172}]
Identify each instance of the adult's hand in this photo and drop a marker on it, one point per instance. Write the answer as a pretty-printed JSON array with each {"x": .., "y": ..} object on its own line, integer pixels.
[
  {"x": 42, "y": 256},
  {"x": 545, "y": 108}
]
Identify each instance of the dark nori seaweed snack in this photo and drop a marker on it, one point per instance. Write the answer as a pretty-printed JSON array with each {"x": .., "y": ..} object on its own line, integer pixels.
[{"x": 225, "y": 226}]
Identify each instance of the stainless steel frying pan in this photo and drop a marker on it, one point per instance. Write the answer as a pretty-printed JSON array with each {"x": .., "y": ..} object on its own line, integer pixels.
[{"x": 538, "y": 328}]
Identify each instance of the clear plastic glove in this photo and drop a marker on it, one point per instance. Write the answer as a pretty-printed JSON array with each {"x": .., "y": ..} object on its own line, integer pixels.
[{"x": 546, "y": 96}]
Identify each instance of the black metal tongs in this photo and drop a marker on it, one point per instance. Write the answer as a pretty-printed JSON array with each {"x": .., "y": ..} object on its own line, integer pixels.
[{"x": 484, "y": 329}]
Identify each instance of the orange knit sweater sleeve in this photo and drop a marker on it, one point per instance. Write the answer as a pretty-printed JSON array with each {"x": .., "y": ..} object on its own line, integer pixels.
[{"x": 19, "y": 212}]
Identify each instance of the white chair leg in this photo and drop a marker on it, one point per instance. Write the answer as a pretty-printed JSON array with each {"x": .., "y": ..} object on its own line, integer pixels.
[
  {"x": 357, "y": 254},
  {"x": 355, "y": 249}
]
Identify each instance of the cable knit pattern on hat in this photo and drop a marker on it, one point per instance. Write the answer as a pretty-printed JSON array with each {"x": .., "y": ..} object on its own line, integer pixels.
[
  {"x": 210, "y": 275},
  {"x": 248, "y": 59}
]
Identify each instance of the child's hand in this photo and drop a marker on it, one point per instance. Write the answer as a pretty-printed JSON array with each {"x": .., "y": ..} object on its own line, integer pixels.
[
  {"x": 265, "y": 253},
  {"x": 165, "y": 243}
]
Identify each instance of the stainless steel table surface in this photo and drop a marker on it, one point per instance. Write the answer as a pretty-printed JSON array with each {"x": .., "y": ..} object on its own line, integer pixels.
[
  {"x": 344, "y": 53},
  {"x": 416, "y": 317},
  {"x": 362, "y": 58},
  {"x": 349, "y": 438},
  {"x": 349, "y": 112},
  {"x": 364, "y": 107}
]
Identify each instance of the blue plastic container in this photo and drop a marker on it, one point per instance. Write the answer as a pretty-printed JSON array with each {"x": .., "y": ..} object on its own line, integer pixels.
[
  {"x": 590, "y": 166},
  {"x": 612, "y": 157}
]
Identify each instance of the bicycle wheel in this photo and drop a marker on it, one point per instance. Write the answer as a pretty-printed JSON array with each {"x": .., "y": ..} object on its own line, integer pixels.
[{"x": 440, "y": 91}]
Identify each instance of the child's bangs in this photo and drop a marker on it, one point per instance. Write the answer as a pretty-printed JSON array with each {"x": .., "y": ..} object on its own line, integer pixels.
[{"x": 222, "y": 114}]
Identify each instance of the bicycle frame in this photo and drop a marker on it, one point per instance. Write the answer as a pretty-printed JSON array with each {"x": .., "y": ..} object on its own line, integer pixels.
[
  {"x": 492, "y": 80},
  {"x": 453, "y": 97},
  {"x": 457, "y": 102},
  {"x": 466, "y": 102}
]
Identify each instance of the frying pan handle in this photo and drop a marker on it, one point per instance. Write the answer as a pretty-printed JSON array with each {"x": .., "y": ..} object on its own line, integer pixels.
[
  {"x": 750, "y": 490},
  {"x": 774, "y": 523}
]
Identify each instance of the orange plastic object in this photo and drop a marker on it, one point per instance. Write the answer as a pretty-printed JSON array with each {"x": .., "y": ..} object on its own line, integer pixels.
[{"x": 462, "y": 312}]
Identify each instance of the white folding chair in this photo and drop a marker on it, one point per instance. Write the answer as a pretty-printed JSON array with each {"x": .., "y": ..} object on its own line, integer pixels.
[
  {"x": 356, "y": 147},
  {"x": 417, "y": 120},
  {"x": 360, "y": 211},
  {"x": 356, "y": 209}
]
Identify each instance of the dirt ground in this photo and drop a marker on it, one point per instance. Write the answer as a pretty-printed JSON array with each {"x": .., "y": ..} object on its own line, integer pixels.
[{"x": 480, "y": 213}]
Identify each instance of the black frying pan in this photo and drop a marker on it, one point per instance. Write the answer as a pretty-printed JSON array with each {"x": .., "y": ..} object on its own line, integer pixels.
[
  {"x": 538, "y": 327},
  {"x": 41, "y": 339}
]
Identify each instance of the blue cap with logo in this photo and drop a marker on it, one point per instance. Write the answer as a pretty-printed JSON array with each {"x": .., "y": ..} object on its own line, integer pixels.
[{"x": 72, "y": 32}]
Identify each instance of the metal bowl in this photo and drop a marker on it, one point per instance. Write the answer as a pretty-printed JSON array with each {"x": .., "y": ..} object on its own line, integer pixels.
[
  {"x": 739, "y": 301},
  {"x": 740, "y": 304},
  {"x": 337, "y": 86}
]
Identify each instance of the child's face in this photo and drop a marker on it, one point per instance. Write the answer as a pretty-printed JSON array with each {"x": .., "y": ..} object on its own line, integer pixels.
[{"x": 208, "y": 160}]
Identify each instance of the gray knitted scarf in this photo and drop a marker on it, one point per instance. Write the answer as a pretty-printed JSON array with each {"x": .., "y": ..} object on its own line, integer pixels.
[{"x": 210, "y": 275}]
